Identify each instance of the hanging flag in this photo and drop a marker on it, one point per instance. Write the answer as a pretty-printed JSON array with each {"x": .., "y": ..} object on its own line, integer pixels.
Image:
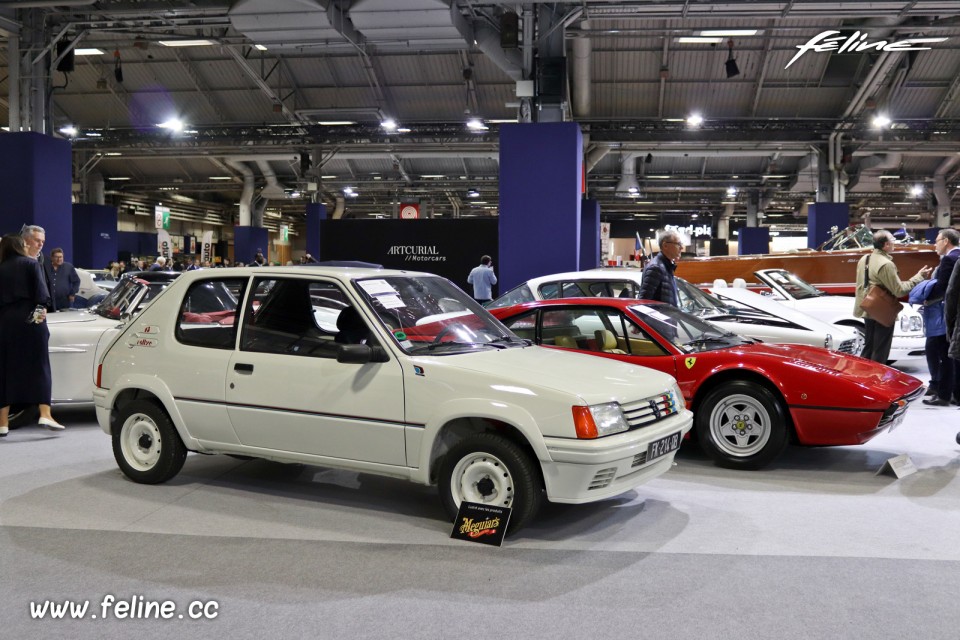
[
  {"x": 206, "y": 249},
  {"x": 637, "y": 247},
  {"x": 164, "y": 245}
]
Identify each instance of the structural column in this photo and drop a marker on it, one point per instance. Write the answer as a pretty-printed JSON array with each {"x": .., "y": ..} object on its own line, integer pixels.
[
  {"x": 35, "y": 179},
  {"x": 822, "y": 217},
  {"x": 316, "y": 213},
  {"x": 540, "y": 200}
]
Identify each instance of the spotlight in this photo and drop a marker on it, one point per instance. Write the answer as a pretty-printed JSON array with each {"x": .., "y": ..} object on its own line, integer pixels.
[
  {"x": 916, "y": 191},
  {"x": 694, "y": 120},
  {"x": 881, "y": 121},
  {"x": 389, "y": 124},
  {"x": 731, "y": 64}
]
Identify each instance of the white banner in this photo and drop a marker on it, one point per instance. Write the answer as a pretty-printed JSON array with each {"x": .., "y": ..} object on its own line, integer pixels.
[
  {"x": 164, "y": 245},
  {"x": 206, "y": 248}
]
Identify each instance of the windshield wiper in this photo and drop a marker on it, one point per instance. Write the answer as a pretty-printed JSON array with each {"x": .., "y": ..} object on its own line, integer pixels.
[
  {"x": 722, "y": 339},
  {"x": 509, "y": 340}
]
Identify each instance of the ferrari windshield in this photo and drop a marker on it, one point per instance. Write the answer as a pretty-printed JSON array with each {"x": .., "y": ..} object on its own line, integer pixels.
[
  {"x": 430, "y": 316},
  {"x": 687, "y": 332}
]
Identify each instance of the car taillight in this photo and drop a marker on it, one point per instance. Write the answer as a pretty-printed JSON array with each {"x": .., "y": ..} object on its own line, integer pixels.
[{"x": 584, "y": 424}]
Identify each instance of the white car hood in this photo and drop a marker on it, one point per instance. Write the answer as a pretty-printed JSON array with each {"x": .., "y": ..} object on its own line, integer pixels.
[
  {"x": 525, "y": 370},
  {"x": 72, "y": 315},
  {"x": 762, "y": 303}
]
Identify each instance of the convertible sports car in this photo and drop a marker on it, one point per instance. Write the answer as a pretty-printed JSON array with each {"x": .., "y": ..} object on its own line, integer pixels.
[
  {"x": 790, "y": 290},
  {"x": 749, "y": 399},
  {"x": 75, "y": 333},
  {"x": 749, "y": 315}
]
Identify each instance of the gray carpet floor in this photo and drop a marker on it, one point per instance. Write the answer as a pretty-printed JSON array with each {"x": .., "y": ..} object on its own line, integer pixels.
[{"x": 817, "y": 546}]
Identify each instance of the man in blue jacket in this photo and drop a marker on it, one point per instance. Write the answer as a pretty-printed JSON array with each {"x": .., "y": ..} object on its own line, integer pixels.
[
  {"x": 62, "y": 279},
  {"x": 658, "y": 281}
]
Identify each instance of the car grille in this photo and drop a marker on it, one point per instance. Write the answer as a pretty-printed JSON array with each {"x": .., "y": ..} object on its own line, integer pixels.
[
  {"x": 898, "y": 407},
  {"x": 650, "y": 410},
  {"x": 849, "y": 346}
]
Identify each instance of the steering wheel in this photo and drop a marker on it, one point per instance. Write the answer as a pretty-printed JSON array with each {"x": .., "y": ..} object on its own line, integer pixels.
[{"x": 445, "y": 331}]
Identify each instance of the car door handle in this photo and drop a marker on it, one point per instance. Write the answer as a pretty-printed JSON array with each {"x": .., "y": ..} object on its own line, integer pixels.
[{"x": 240, "y": 367}]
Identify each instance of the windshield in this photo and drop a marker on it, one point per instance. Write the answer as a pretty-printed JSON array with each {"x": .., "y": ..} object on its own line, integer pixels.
[
  {"x": 855, "y": 237},
  {"x": 687, "y": 332},
  {"x": 795, "y": 287},
  {"x": 128, "y": 297},
  {"x": 430, "y": 316},
  {"x": 695, "y": 301}
]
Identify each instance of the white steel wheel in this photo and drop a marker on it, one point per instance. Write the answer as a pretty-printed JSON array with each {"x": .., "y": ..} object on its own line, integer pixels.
[
  {"x": 741, "y": 425},
  {"x": 146, "y": 445},
  {"x": 140, "y": 442},
  {"x": 488, "y": 468},
  {"x": 483, "y": 478}
]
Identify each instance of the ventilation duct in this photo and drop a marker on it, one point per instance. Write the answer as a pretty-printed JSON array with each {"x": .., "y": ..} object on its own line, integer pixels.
[
  {"x": 246, "y": 196},
  {"x": 95, "y": 189},
  {"x": 628, "y": 186},
  {"x": 487, "y": 40},
  {"x": 808, "y": 176},
  {"x": 339, "y": 208},
  {"x": 274, "y": 190},
  {"x": 279, "y": 24},
  {"x": 867, "y": 177},
  {"x": 427, "y": 22}
]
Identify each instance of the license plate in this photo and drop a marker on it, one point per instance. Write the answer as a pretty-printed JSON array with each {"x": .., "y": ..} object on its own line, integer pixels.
[{"x": 663, "y": 446}]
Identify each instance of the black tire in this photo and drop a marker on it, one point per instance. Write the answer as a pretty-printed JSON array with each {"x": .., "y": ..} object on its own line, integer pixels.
[
  {"x": 741, "y": 425},
  {"x": 22, "y": 415},
  {"x": 146, "y": 445},
  {"x": 490, "y": 469}
]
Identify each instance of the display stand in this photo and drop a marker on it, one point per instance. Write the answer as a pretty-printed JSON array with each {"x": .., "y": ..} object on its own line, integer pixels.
[{"x": 900, "y": 466}]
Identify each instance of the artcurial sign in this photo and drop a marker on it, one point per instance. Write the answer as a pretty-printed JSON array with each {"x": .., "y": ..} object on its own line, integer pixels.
[
  {"x": 836, "y": 42},
  {"x": 450, "y": 248},
  {"x": 417, "y": 253}
]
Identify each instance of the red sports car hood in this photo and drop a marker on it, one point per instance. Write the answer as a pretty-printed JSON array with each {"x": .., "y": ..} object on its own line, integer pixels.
[{"x": 879, "y": 378}]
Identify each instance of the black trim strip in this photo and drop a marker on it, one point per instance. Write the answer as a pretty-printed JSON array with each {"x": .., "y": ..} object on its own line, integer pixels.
[
  {"x": 228, "y": 405},
  {"x": 818, "y": 408}
]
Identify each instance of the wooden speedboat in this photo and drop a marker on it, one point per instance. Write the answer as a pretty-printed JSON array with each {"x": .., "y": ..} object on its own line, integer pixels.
[{"x": 832, "y": 271}]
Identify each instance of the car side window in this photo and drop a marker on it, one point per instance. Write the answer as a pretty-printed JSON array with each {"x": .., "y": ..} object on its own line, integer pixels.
[
  {"x": 208, "y": 314},
  {"x": 632, "y": 337},
  {"x": 525, "y": 326},
  {"x": 300, "y": 317}
]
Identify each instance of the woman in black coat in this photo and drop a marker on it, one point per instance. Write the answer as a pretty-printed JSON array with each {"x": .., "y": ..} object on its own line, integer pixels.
[{"x": 24, "y": 337}]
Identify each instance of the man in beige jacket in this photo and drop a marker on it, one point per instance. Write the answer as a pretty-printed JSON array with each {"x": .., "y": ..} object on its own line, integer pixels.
[{"x": 884, "y": 272}]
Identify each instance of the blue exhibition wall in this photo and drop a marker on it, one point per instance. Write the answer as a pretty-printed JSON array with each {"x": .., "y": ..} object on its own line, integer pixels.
[
  {"x": 247, "y": 241},
  {"x": 589, "y": 234},
  {"x": 35, "y": 179},
  {"x": 753, "y": 240},
  {"x": 95, "y": 236},
  {"x": 541, "y": 186},
  {"x": 316, "y": 214},
  {"x": 822, "y": 217}
]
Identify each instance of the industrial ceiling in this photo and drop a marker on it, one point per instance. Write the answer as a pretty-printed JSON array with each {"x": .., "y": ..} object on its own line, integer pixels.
[{"x": 290, "y": 97}]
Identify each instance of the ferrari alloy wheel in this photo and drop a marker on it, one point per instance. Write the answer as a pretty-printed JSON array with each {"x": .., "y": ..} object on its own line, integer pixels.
[
  {"x": 489, "y": 469},
  {"x": 741, "y": 425},
  {"x": 146, "y": 445}
]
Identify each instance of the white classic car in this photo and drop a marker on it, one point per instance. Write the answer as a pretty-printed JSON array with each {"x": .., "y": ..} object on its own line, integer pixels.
[
  {"x": 415, "y": 380},
  {"x": 75, "y": 333},
  {"x": 792, "y": 291},
  {"x": 750, "y": 315}
]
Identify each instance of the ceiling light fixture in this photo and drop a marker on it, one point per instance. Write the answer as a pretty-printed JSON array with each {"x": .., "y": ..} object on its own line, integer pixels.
[
  {"x": 173, "y": 124},
  {"x": 698, "y": 40},
  {"x": 694, "y": 120},
  {"x": 389, "y": 124},
  {"x": 259, "y": 47},
  {"x": 69, "y": 130},
  {"x": 727, "y": 33},
  {"x": 200, "y": 42},
  {"x": 88, "y": 52},
  {"x": 881, "y": 121},
  {"x": 336, "y": 123}
]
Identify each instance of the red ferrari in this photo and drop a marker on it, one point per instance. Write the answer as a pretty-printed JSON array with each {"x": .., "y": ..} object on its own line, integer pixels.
[{"x": 750, "y": 399}]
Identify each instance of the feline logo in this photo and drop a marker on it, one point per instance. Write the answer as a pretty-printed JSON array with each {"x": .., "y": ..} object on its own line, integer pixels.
[{"x": 835, "y": 41}]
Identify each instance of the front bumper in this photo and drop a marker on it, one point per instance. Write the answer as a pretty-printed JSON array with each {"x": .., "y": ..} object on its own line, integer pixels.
[{"x": 589, "y": 470}]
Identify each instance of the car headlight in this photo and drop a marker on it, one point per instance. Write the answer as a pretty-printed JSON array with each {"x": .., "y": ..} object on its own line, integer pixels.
[
  {"x": 911, "y": 323},
  {"x": 599, "y": 420}
]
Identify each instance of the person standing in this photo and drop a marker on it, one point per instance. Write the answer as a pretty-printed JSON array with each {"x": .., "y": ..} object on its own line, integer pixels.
[
  {"x": 482, "y": 278},
  {"x": 942, "y": 366},
  {"x": 883, "y": 272},
  {"x": 160, "y": 264},
  {"x": 24, "y": 337},
  {"x": 659, "y": 282},
  {"x": 62, "y": 279}
]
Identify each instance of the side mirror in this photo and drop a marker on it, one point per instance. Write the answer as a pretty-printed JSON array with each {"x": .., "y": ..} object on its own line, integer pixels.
[{"x": 361, "y": 354}]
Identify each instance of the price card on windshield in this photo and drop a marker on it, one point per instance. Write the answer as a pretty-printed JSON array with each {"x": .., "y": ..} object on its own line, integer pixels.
[{"x": 377, "y": 287}]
